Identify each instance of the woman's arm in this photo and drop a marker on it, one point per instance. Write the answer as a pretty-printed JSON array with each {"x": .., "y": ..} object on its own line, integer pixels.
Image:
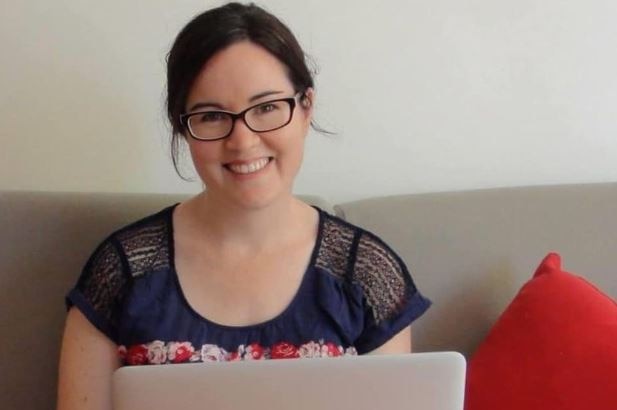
[
  {"x": 399, "y": 343},
  {"x": 87, "y": 361}
]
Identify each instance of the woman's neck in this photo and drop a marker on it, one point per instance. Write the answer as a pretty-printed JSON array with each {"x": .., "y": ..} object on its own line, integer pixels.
[{"x": 255, "y": 229}]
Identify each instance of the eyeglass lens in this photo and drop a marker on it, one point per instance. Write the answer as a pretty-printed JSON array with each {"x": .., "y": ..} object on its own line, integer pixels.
[{"x": 261, "y": 118}]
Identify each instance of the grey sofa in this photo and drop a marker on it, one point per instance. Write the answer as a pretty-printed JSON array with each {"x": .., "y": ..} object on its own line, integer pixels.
[{"x": 468, "y": 251}]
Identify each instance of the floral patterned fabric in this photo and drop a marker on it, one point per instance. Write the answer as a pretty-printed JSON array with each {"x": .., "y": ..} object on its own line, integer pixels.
[
  {"x": 159, "y": 352},
  {"x": 356, "y": 293}
]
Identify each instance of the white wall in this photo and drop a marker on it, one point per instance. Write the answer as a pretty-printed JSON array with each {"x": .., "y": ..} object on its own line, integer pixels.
[{"x": 425, "y": 96}]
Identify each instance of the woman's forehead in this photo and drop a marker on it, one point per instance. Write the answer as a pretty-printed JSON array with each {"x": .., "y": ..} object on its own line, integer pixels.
[{"x": 238, "y": 73}]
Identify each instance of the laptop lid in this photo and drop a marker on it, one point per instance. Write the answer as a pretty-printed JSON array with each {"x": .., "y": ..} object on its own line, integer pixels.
[{"x": 427, "y": 381}]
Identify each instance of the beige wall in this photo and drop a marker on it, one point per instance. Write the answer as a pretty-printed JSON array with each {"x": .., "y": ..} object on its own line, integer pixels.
[{"x": 425, "y": 96}]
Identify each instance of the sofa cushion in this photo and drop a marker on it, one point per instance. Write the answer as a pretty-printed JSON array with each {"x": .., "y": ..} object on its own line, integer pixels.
[{"x": 554, "y": 347}]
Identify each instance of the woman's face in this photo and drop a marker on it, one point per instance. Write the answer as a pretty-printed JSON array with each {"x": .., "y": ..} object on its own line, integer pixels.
[{"x": 247, "y": 168}]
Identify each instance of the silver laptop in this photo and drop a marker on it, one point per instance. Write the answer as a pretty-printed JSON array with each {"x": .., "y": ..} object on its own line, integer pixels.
[{"x": 423, "y": 381}]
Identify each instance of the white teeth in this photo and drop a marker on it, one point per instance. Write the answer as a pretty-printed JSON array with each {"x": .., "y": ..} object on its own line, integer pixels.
[{"x": 249, "y": 168}]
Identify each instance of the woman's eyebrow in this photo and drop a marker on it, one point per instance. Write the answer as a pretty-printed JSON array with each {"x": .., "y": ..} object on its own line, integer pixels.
[
  {"x": 264, "y": 94},
  {"x": 212, "y": 104},
  {"x": 205, "y": 105}
]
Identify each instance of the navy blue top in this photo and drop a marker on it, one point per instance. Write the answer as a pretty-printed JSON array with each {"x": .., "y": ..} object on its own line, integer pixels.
[{"x": 355, "y": 295}]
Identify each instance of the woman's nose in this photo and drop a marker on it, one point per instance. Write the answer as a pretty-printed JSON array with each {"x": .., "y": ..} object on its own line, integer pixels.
[{"x": 241, "y": 137}]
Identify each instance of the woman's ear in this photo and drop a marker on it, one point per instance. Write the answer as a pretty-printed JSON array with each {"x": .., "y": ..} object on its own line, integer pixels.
[
  {"x": 308, "y": 98},
  {"x": 307, "y": 102}
]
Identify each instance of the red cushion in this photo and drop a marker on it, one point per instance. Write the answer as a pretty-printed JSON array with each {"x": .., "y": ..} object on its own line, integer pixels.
[{"x": 555, "y": 347}]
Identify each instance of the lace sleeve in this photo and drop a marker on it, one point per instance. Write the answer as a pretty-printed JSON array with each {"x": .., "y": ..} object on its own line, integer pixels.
[
  {"x": 391, "y": 298},
  {"x": 99, "y": 291}
]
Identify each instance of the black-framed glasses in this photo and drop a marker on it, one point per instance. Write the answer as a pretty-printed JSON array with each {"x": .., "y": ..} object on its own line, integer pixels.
[{"x": 265, "y": 116}]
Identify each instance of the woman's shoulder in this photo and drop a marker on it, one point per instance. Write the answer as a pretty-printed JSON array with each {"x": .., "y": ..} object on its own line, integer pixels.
[
  {"x": 349, "y": 251},
  {"x": 377, "y": 285},
  {"x": 144, "y": 243},
  {"x": 127, "y": 253}
]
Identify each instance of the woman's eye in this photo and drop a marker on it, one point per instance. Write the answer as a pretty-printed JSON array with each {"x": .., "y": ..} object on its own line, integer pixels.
[
  {"x": 211, "y": 117},
  {"x": 266, "y": 108}
]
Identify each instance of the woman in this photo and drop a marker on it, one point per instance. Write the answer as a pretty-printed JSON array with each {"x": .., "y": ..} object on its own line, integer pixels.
[{"x": 243, "y": 270}]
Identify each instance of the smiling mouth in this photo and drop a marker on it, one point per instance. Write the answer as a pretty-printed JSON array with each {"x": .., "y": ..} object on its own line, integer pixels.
[{"x": 250, "y": 167}]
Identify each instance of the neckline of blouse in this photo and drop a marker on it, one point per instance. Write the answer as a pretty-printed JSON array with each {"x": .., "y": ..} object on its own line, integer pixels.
[{"x": 304, "y": 283}]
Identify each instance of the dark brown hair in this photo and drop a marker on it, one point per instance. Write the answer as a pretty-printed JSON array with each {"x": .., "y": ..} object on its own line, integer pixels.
[{"x": 212, "y": 31}]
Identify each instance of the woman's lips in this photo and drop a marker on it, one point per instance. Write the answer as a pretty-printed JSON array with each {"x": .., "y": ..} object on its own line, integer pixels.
[{"x": 248, "y": 167}]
